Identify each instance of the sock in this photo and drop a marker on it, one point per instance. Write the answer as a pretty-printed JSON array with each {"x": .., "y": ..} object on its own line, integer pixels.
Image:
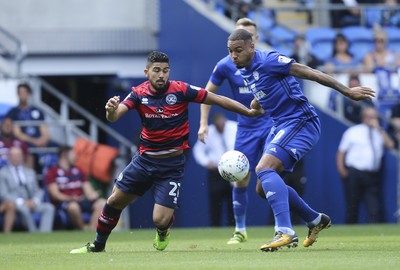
[
  {"x": 166, "y": 228},
  {"x": 315, "y": 221},
  {"x": 300, "y": 207},
  {"x": 107, "y": 221},
  {"x": 276, "y": 192},
  {"x": 240, "y": 202}
]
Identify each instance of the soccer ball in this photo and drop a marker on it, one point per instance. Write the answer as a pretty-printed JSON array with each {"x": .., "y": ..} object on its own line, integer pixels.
[{"x": 233, "y": 166}]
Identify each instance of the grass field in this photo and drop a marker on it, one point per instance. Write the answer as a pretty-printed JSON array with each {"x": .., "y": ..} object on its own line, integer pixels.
[{"x": 340, "y": 247}]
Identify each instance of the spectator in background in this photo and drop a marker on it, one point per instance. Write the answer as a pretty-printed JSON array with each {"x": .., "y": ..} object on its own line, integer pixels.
[
  {"x": 8, "y": 140},
  {"x": 19, "y": 184},
  {"x": 7, "y": 208},
  {"x": 70, "y": 190},
  {"x": 341, "y": 58},
  {"x": 351, "y": 14},
  {"x": 390, "y": 16},
  {"x": 394, "y": 125},
  {"x": 359, "y": 162},
  {"x": 35, "y": 135},
  {"x": 236, "y": 9},
  {"x": 380, "y": 57},
  {"x": 351, "y": 109},
  {"x": 302, "y": 55},
  {"x": 221, "y": 138}
]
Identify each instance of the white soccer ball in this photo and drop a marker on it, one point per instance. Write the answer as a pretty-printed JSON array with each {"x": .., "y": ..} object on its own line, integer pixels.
[{"x": 233, "y": 166}]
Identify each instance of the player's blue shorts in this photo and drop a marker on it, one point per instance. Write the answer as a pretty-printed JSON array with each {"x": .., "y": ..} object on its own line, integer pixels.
[
  {"x": 163, "y": 175},
  {"x": 291, "y": 140},
  {"x": 251, "y": 142}
]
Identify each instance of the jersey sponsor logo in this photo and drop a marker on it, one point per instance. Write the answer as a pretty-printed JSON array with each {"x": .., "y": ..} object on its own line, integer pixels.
[
  {"x": 159, "y": 110},
  {"x": 244, "y": 90},
  {"x": 272, "y": 149},
  {"x": 164, "y": 116},
  {"x": 120, "y": 176},
  {"x": 145, "y": 100},
  {"x": 259, "y": 95},
  {"x": 171, "y": 99},
  {"x": 237, "y": 73},
  {"x": 284, "y": 59},
  {"x": 269, "y": 194},
  {"x": 256, "y": 75},
  {"x": 293, "y": 150}
]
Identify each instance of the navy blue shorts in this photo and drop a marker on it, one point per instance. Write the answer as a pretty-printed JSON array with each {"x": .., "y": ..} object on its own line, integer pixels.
[
  {"x": 291, "y": 140},
  {"x": 163, "y": 175}
]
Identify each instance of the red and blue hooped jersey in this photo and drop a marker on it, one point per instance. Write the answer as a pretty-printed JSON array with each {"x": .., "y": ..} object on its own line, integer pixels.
[{"x": 164, "y": 116}]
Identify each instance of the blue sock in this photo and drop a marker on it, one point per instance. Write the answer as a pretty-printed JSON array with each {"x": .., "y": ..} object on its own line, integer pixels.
[
  {"x": 300, "y": 207},
  {"x": 277, "y": 195},
  {"x": 240, "y": 201}
]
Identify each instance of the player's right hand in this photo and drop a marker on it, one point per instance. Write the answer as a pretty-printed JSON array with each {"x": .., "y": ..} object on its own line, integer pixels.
[
  {"x": 203, "y": 133},
  {"x": 112, "y": 104}
]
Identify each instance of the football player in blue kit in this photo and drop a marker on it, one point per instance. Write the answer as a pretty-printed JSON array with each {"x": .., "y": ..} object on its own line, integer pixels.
[
  {"x": 271, "y": 78},
  {"x": 250, "y": 133},
  {"x": 162, "y": 105}
]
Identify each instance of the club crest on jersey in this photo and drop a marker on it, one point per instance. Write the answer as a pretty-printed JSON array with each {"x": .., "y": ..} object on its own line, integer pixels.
[
  {"x": 145, "y": 100},
  {"x": 256, "y": 75},
  {"x": 171, "y": 99}
]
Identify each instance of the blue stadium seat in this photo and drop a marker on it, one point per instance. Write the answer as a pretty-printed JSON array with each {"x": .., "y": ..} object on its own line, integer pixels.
[
  {"x": 321, "y": 41},
  {"x": 393, "y": 34},
  {"x": 361, "y": 40},
  {"x": 4, "y": 108},
  {"x": 282, "y": 38}
]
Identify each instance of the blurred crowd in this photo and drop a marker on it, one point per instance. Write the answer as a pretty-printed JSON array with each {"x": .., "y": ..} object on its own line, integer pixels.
[{"x": 41, "y": 190}]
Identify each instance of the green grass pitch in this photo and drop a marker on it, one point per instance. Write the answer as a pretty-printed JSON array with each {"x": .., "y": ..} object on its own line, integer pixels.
[{"x": 339, "y": 247}]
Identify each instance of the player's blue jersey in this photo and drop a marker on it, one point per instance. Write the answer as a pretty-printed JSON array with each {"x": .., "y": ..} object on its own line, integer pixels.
[
  {"x": 226, "y": 69},
  {"x": 278, "y": 93}
]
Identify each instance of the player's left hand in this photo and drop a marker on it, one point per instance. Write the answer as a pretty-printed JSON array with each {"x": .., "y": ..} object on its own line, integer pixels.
[
  {"x": 361, "y": 93},
  {"x": 256, "y": 112}
]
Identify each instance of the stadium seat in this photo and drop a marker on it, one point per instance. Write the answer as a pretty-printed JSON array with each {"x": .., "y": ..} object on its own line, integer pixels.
[
  {"x": 321, "y": 42},
  {"x": 265, "y": 19},
  {"x": 360, "y": 39},
  {"x": 393, "y": 34},
  {"x": 282, "y": 38}
]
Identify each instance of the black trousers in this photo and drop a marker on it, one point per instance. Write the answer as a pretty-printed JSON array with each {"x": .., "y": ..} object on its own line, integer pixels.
[
  {"x": 363, "y": 186},
  {"x": 220, "y": 200}
]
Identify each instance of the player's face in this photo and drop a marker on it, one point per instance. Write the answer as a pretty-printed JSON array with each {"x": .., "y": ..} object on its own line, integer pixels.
[
  {"x": 241, "y": 52},
  {"x": 158, "y": 75}
]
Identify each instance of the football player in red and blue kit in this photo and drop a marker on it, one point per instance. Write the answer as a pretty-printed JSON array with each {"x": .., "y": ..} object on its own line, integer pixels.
[{"x": 159, "y": 164}]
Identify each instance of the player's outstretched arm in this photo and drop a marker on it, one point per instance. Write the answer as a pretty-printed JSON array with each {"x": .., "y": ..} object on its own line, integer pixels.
[
  {"x": 231, "y": 105},
  {"x": 114, "y": 110},
  {"x": 204, "y": 113},
  {"x": 355, "y": 93}
]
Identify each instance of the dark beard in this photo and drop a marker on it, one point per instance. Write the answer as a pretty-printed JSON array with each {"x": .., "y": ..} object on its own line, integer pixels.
[{"x": 162, "y": 88}]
